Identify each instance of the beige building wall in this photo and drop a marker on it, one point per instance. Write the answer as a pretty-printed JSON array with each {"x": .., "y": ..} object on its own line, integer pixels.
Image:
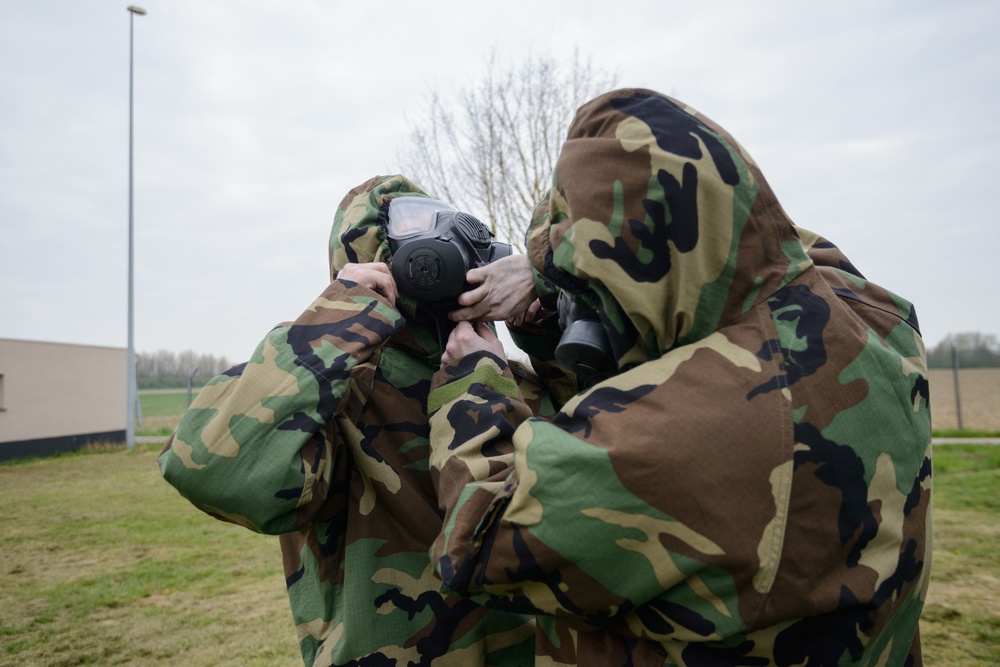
[{"x": 57, "y": 390}]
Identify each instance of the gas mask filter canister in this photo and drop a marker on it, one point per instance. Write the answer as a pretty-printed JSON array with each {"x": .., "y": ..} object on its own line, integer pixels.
[{"x": 584, "y": 347}]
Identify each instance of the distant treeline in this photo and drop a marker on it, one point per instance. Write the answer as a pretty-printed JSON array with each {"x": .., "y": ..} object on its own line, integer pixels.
[
  {"x": 170, "y": 370},
  {"x": 974, "y": 350}
]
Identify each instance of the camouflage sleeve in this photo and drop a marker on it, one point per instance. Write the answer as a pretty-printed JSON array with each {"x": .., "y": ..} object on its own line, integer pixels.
[
  {"x": 256, "y": 446},
  {"x": 478, "y": 425},
  {"x": 471, "y": 460},
  {"x": 577, "y": 516}
]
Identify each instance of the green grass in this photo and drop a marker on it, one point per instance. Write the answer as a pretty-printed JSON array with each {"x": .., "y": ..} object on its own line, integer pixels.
[
  {"x": 161, "y": 409},
  {"x": 159, "y": 402},
  {"x": 103, "y": 563},
  {"x": 967, "y": 477},
  {"x": 961, "y": 622}
]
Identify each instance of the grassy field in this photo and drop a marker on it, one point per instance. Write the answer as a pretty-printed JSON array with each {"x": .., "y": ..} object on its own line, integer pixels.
[
  {"x": 961, "y": 622},
  {"x": 161, "y": 408},
  {"x": 103, "y": 563}
]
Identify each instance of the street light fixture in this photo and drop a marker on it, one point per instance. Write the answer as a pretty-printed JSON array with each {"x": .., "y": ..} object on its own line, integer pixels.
[{"x": 133, "y": 392}]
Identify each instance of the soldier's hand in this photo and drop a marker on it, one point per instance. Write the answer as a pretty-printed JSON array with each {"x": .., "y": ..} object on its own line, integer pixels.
[
  {"x": 468, "y": 338},
  {"x": 533, "y": 312},
  {"x": 373, "y": 275},
  {"x": 504, "y": 290}
]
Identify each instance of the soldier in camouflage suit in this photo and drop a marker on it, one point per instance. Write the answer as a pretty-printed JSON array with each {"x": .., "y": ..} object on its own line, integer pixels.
[
  {"x": 753, "y": 486},
  {"x": 322, "y": 438}
]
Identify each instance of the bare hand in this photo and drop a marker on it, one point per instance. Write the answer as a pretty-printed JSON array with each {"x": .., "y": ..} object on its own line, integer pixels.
[
  {"x": 528, "y": 316},
  {"x": 505, "y": 289},
  {"x": 468, "y": 338},
  {"x": 373, "y": 275}
]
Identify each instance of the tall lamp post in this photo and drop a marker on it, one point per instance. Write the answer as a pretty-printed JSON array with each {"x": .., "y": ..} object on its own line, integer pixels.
[{"x": 133, "y": 392}]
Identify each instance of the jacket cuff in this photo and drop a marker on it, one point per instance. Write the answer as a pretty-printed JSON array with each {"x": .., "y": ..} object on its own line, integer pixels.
[{"x": 482, "y": 368}]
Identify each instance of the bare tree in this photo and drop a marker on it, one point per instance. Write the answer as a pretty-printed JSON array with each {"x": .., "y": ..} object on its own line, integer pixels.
[
  {"x": 973, "y": 350},
  {"x": 494, "y": 151},
  {"x": 164, "y": 368}
]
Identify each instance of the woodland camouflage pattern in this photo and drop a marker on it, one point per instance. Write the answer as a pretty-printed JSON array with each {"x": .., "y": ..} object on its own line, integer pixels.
[
  {"x": 754, "y": 486},
  {"x": 322, "y": 438}
]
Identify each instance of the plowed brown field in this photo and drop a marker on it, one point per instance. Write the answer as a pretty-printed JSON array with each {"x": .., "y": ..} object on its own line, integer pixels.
[{"x": 979, "y": 389}]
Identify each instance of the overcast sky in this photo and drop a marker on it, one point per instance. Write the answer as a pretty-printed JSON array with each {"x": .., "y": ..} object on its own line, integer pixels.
[{"x": 876, "y": 123}]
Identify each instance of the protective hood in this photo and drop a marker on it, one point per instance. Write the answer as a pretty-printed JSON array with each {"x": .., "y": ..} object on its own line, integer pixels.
[
  {"x": 659, "y": 219},
  {"x": 357, "y": 237}
]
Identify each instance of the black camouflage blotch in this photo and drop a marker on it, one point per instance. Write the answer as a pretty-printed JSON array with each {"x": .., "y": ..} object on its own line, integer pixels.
[
  {"x": 377, "y": 659},
  {"x": 921, "y": 388},
  {"x": 840, "y": 467},
  {"x": 916, "y": 491},
  {"x": 236, "y": 371},
  {"x": 676, "y": 131},
  {"x": 685, "y": 617},
  {"x": 288, "y": 494},
  {"x": 847, "y": 267},
  {"x": 602, "y": 399},
  {"x": 368, "y": 434},
  {"x": 683, "y": 225},
  {"x": 347, "y": 239},
  {"x": 481, "y": 414},
  {"x": 446, "y": 619},
  {"x": 911, "y": 319},
  {"x": 683, "y": 200},
  {"x": 908, "y": 568},
  {"x": 300, "y": 421},
  {"x": 719, "y": 654},
  {"x": 681, "y": 228},
  {"x": 822, "y": 640},
  {"x": 653, "y": 619},
  {"x": 302, "y": 336},
  {"x": 811, "y": 314},
  {"x": 294, "y": 577}
]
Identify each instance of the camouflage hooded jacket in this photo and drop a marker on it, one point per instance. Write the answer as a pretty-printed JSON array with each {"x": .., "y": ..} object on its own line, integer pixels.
[
  {"x": 322, "y": 437},
  {"x": 754, "y": 486}
]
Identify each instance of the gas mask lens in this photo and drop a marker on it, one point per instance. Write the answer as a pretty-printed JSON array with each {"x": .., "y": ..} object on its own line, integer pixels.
[{"x": 408, "y": 216}]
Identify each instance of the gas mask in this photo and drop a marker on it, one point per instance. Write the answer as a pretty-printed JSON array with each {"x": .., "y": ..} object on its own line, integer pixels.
[
  {"x": 584, "y": 347},
  {"x": 433, "y": 246}
]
